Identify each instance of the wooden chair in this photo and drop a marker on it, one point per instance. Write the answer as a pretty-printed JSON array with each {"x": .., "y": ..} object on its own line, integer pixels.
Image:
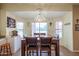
[
  {"x": 5, "y": 50},
  {"x": 45, "y": 45},
  {"x": 31, "y": 43}
]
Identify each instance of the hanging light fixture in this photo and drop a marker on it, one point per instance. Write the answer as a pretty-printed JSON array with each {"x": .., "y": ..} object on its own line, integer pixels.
[{"x": 39, "y": 17}]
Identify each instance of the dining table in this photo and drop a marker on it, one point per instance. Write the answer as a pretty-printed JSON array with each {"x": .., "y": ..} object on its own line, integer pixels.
[{"x": 54, "y": 42}]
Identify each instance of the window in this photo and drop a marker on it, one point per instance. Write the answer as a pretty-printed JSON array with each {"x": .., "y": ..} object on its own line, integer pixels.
[
  {"x": 19, "y": 27},
  {"x": 39, "y": 28},
  {"x": 59, "y": 29}
]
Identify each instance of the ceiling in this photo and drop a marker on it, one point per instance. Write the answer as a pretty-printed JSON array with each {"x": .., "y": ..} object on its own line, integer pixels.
[
  {"x": 34, "y": 6},
  {"x": 33, "y": 14},
  {"x": 29, "y": 10}
]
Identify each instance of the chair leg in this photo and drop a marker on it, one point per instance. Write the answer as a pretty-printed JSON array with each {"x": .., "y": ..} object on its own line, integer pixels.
[
  {"x": 40, "y": 52},
  {"x": 27, "y": 52},
  {"x": 32, "y": 53},
  {"x": 49, "y": 53},
  {"x": 37, "y": 52}
]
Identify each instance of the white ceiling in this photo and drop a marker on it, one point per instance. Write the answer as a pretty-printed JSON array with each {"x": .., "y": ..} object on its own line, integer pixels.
[{"x": 33, "y": 14}]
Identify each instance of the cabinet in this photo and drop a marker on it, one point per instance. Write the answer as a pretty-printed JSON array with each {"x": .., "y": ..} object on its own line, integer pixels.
[{"x": 15, "y": 43}]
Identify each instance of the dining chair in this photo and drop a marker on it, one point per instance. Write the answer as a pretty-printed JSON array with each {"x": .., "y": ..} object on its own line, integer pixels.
[
  {"x": 31, "y": 43},
  {"x": 45, "y": 45},
  {"x": 5, "y": 50}
]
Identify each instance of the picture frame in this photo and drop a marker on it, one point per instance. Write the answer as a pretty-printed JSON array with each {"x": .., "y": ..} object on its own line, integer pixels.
[{"x": 11, "y": 23}]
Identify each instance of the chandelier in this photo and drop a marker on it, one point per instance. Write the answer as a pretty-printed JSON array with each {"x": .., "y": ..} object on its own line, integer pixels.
[{"x": 39, "y": 17}]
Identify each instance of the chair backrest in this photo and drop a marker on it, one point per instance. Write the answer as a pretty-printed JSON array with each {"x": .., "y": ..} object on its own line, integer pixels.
[
  {"x": 31, "y": 40},
  {"x": 45, "y": 40}
]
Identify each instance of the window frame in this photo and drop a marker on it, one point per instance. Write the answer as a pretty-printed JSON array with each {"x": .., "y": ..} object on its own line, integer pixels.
[
  {"x": 39, "y": 28},
  {"x": 59, "y": 29}
]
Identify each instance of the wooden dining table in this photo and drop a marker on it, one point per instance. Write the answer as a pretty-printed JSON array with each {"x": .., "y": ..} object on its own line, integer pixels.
[{"x": 53, "y": 42}]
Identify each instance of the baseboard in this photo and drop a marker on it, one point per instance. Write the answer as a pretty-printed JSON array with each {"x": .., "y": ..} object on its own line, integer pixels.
[
  {"x": 15, "y": 52},
  {"x": 75, "y": 50},
  {"x": 71, "y": 50},
  {"x": 67, "y": 48}
]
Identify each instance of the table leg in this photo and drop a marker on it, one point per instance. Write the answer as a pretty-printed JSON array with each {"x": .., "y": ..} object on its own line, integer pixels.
[
  {"x": 57, "y": 49},
  {"x": 22, "y": 48}
]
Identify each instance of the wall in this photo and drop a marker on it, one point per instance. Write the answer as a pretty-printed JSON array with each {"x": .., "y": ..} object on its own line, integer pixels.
[
  {"x": 14, "y": 40},
  {"x": 17, "y": 18},
  {"x": 20, "y": 19},
  {"x": 4, "y": 31},
  {"x": 75, "y": 33},
  {"x": 29, "y": 22},
  {"x": 3, "y": 22},
  {"x": 0, "y": 22},
  {"x": 50, "y": 28},
  {"x": 67, "y": 40},
  {"x": 56, "y": 19},
  {"x": 28, "y": 27},
  {"x": 9, "y": 30},
  {"x": 26, "y": 7}
]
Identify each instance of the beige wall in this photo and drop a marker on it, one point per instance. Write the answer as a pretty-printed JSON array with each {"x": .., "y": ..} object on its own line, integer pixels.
[
  {"x": 3, "y": 22},
  {"x": 8, "y": 30},
  {"x": 17, "y": 18},
  {"x": 50, "y": 28},
  {"x": 0, "y": 22},
  {"x": 75, "y": 33},
  {"x": 67, "y": 40},
  {"x": 27, "y": 24},
  {"x": 27, "y": 27}
]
